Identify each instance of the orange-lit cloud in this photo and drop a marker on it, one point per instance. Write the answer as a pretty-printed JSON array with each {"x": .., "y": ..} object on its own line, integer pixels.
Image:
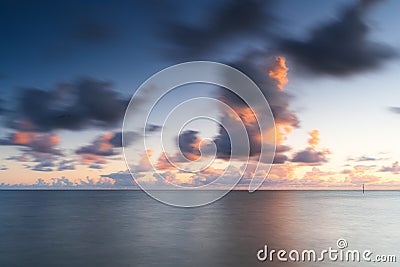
[
  {"x": 36, "y": 142},
  {"x": 312, "y": 155},
  {"x": 144, "y": 163},
  {"x": 102, "y": 147},
  {"x": 282, "y": 171},
  {"x": 281, "y": 131},
  {"x": 164, "y": 163},
  {"x": 22, "y": 138},
  {"x": 314, "y": 138},
  {"x": 26, "y": 138},
  {"x": 279, "y": 72}
]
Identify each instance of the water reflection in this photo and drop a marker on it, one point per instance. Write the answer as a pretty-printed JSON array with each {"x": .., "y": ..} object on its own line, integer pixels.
[{"x": 127, "y": 228}]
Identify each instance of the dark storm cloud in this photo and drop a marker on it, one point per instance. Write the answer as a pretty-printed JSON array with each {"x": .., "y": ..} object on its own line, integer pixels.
[
  {"x": 340, "y": 47},
  {"x": 234, "y": 20},
  {"x": 71, "y": 106},
  {"x": 277, "y": 99},
  {"x": 395, "y": 110},
  {"x": 153, "y": 128},
  {"x": 129, "y": 137},
  {"x": 223, "y": 140},
  {"x": 223, "y": 143},
  {"x": 188, "y": 143},
  {"x": 310, "y": 156},
  {"x": 254, "y": 66},
  {"x": 280, "y": 158}
]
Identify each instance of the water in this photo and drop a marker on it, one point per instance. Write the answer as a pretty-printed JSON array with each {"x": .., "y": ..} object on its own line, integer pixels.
[{"x": 128, "y": 228}]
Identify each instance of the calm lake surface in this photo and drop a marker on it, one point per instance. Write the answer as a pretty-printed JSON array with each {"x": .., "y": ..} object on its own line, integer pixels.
[{"x": 128, "y": 228}]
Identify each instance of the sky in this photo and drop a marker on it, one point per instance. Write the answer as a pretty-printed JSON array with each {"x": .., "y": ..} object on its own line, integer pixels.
[{"x": 328, "y": 69}]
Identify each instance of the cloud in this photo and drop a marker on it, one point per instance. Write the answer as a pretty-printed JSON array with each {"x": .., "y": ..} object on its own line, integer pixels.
[
  {"x": 153, "y": 128},
  {"x": 70, "y": 106},
  {"x": 317, "y": 173},
  {"x": 45, "y": 166},
  {"x": 395, "y": 110},
  {"x": 3, "y": 167},
  {"x": 144, "y": 162},
  {"x": 35, "y": 142},
  {"x": 395, "y": 168},
  {"x": 65, "y": 165},
  {"x": 205, "y": 176},
  {"x": 228, "y": 26},
  {"x": 240, "y": 115},
  {"x": 366, "y": 158},
  {"x": 102, "y": 147},
  {"x": 280, "y": 158},
  {"x": 189, "y": 144},
  {"x": 129, "y": 137},
  {"x": 362, "y": 179},
  {"x": 272, "y": 87},
  {"x": 279, "y": 72},
  {"x": 233, "y": 20},
  {"x": 282, "y": 130},
  {"x": 95, "y": 166},
  {"x": 358, "y": 169},
  {"x": 63, "y": 183},
  {"x": 166, "y": 177},
  {"x": 244, "y": 116},
  {"x": 314, "y": 138},
  {"x": 284, "y": 177},
  {"x": 340, "y": 47},
  {"x": 282, "y": 171},
  {"x": 312, "y": 155},
  {"x": 45, "y": 162},
  {"x": 20, "y": 158},
  {"x": 122, "y": 179},
  {"x": 164, "y": 162}
]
